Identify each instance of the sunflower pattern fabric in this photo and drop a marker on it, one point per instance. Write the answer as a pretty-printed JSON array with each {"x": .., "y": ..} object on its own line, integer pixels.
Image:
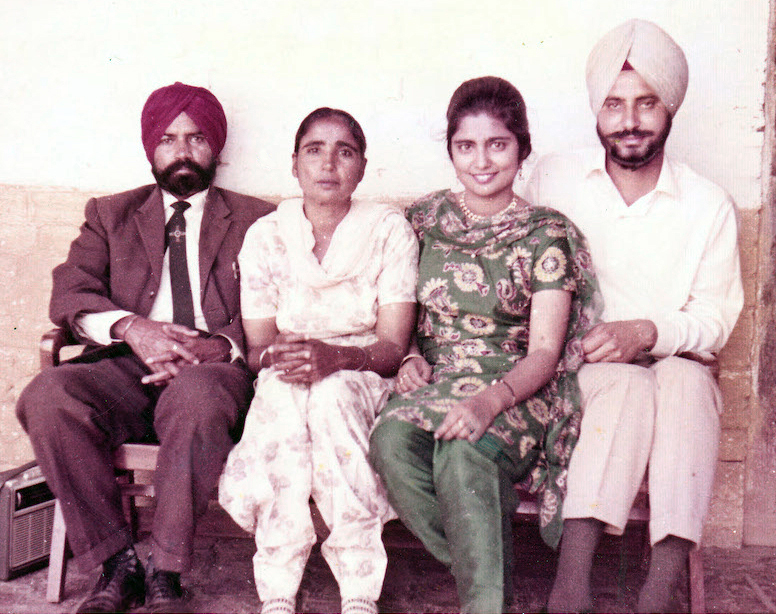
[{"x": 476, "y": 280}]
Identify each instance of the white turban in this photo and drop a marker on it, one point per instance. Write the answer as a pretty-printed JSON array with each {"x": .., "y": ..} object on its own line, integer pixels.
[{"x": 650, "y": 51}]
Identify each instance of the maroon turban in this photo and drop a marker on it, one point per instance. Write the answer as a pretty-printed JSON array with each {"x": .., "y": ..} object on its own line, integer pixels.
[{"x": 166, "y": 103}]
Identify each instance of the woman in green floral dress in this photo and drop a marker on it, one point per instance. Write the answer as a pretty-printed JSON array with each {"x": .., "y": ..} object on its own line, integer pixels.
[{"x": 488, "y": 396}]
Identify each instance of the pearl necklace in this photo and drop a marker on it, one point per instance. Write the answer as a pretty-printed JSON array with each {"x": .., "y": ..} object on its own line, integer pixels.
[{"x": 478, "y": 217}]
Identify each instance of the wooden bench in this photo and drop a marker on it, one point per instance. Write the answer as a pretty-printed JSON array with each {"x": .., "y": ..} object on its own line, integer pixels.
[{"x": 132, "y": 457}]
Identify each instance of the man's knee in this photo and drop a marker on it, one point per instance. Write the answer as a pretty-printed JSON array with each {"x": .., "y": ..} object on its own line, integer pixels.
[
  {"x": 691, "y": 377},
  {"x": 689, "y": 399},
  {"x": 204, "y": 396},
  {"x": 602, "y": 380},
  {"x": 616, "y": 394},
  {"x": 37, "y": 402}
]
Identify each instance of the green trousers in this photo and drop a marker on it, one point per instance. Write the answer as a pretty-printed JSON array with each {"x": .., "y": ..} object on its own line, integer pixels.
[{"x": 457, "y": 502}]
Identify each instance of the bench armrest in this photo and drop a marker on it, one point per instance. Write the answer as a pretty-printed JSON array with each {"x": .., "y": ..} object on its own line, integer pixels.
[{"x": 51, "y": 343}]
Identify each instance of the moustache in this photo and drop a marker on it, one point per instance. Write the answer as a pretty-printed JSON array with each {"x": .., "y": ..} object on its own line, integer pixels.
[
  {"x": 180, "y": 164},
  {"x": 626, "y": 133}
]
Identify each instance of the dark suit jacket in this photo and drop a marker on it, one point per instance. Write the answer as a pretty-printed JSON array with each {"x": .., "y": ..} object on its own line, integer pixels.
[{"x": 116, "y": 261}]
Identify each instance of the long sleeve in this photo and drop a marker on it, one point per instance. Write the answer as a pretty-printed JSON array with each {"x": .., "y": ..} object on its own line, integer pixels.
[{"x": 715, "y": 299}]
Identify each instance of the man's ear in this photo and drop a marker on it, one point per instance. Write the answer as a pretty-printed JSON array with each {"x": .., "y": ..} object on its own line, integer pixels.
[{"x": 294, "y": 170}]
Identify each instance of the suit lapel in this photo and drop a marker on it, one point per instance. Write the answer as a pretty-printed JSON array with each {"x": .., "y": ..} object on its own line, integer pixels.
[
  {"x": 150, "y": 225},
  {"x": 215, "y": 223}
]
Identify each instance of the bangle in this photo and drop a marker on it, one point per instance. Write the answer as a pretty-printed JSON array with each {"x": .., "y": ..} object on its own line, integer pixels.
[
  {"x": 366, "y": 357},
  {"x": 409, "y": 357},
  {"x": 261, "y": 357},
  {"x": 513, "y": 399},
  {"x": 132, "y": 319}
]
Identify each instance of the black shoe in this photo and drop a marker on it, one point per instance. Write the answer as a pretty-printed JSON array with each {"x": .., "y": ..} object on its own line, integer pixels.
[
  {"x": 163, "y": 591},
  {"x": 120, "y": 587}
]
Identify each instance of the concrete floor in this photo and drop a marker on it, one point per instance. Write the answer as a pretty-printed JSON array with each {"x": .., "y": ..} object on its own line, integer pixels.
[{"x": 222, "y": 581}]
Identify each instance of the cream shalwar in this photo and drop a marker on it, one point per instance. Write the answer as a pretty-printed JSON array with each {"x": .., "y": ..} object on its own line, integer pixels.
[
  {"x": 670, "y": 257},
  {"x": 304, "y": 440}
]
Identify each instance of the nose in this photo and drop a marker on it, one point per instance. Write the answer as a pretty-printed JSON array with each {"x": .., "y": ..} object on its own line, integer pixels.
[
  {"x": 182, "y": 149},
  {"x": 631, "y": 119},
  {"x": 482, "y": 159},
  {"x": 330, "y": 160}
]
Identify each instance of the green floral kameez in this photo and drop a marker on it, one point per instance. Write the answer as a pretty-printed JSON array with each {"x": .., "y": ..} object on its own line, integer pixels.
[{"x": 475, "y": 287}]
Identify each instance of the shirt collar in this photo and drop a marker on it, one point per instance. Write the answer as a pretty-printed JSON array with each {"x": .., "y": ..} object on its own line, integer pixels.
[
  {"x": 197, "y": 202},
  {"x": 595, "y": 163}
]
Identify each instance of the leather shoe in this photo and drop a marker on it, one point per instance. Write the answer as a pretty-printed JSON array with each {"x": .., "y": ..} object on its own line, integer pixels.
[
  {"x": 120, "y": 587},
  {"x": 163, "y": 591}
]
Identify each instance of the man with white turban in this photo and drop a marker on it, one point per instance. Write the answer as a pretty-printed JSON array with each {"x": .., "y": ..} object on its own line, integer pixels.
[
  {"x": 664, "y": 246},
  {"x": 150, "y": 286}
]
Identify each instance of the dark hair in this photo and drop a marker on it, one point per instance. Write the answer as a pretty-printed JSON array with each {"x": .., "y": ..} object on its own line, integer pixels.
[
  {"x": 327, "y": 113},
  {"x": 498, "y": 98}
]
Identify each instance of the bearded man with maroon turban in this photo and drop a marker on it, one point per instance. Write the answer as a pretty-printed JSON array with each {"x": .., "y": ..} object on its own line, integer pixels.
[
  {"x": 665, "y": 252},
  {"x": 151, "y": 287}
]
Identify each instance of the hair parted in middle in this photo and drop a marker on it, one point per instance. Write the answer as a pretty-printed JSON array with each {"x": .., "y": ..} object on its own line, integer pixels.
[
  {"x": 496, "y": 97},
  {"x": 328, "y": 113}
]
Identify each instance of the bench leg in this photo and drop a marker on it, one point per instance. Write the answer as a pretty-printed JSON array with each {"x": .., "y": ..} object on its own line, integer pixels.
[
  {"x": 697, "y": 590},
  {"x": 57, "y": 564}
]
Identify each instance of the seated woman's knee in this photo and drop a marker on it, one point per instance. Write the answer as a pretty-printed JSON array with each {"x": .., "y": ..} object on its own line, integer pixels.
[
  {"x": 334, "y": 399},
  {"x": 389, "y": 443}
]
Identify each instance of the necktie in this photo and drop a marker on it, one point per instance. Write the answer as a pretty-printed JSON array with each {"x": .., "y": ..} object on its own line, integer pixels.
[{"x": 182, "y": 304}]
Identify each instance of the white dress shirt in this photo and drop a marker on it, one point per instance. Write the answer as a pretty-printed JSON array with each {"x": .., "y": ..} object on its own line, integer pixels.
[
  {"x": 670, "y": 257},
  {"x": 97, "y": 326}
]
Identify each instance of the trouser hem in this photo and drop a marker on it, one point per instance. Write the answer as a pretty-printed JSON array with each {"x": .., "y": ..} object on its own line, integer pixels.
[
  {"x": 168, "y": 561},
  {"x": 101, "y": 552}
]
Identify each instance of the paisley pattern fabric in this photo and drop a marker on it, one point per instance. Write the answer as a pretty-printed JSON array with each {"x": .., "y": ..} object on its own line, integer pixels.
[{"x": 476, "y": 280}]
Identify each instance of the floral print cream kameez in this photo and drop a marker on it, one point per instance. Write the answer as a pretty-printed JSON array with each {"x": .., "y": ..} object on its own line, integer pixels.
[{"x": 301, "y": 441}]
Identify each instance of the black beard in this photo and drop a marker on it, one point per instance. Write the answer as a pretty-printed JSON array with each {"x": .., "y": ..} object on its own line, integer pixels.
[
  {"x": 185, "y": 184},
  {"x": 634, "y": 162}
]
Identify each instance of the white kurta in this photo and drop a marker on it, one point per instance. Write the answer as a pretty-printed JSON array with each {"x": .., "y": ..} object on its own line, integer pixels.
[
  {"x": 301, "y": 441},
  {"x": 670, "y": 257}
]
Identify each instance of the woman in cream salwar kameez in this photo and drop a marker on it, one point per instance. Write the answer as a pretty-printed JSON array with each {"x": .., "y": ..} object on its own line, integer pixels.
[{"x": 328, "y": 304}]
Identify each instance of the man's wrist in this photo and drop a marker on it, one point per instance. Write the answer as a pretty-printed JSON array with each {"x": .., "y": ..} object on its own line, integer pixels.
[
  {"x": 647, "y": 332},
  {"x": 224, "y": 349},
  {"x": 120, "y": 328}
]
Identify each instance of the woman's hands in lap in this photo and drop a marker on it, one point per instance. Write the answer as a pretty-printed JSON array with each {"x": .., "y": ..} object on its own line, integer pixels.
[
  {"x": 470, "y": 418},
  {"x": 302, "y": 361}
]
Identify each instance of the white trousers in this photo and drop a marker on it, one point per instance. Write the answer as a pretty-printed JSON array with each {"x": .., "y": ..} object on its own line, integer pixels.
[
  {"x": 666, "y": 417},
  {"x": 303, "y": 441}
]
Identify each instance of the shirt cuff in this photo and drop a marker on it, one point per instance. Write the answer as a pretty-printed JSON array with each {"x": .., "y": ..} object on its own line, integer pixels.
[
  {"x": 97, "y": 326},
  {"x": 235, "y": 353}
]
